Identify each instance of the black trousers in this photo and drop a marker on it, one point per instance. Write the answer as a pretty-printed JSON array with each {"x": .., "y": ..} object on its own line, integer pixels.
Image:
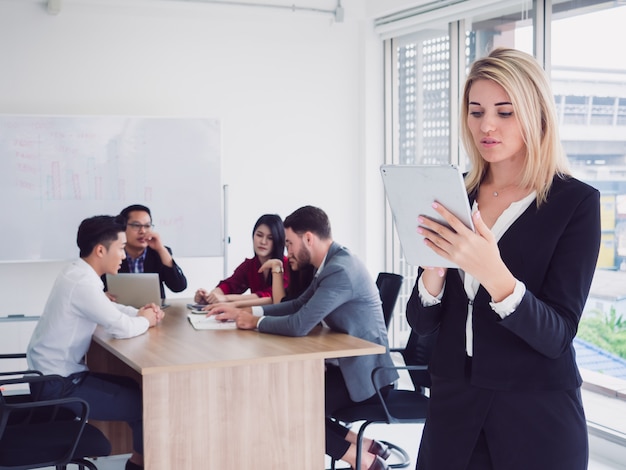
[
  {"x": 337, "y": 397},
  {"x": 472, "y": 428}
]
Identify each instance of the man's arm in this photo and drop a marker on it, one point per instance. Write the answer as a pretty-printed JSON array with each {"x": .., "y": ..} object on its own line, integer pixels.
[
  {"x": 228, "y": 311},
  {"x": 330, "y": 291},
  {"x": 171, "y": 275}
]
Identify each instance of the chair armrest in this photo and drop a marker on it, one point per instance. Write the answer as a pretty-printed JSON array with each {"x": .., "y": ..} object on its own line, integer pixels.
[
  {"x": 55, "y": 402},
  {"x": 38, "y": 377},
  {"x": 17, "y": 372},
  {"x": 21, "y": 372},
  {"x": 376, "y": 381},
  {"x": 53, "y": 406},
  {"x": 378, "y": 370},
  {"x": 30, "y": 379},
  {"x": 13, "y": 356}
]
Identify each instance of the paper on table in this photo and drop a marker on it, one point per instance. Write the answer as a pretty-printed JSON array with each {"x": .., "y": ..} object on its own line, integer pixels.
[{"x": 201, "y": 322}]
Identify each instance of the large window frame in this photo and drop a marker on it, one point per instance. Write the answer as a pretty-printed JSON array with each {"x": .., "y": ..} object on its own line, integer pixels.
[{"x": 595, "y": 111}]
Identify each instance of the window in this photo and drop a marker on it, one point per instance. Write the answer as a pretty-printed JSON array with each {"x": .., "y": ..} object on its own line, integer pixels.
[
  {"x": 590, "y": 89},
  {"x": 580, "y": 41}
]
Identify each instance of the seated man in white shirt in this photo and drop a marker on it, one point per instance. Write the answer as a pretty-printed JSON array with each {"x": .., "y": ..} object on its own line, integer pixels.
[{"x": 75, "y": 307}]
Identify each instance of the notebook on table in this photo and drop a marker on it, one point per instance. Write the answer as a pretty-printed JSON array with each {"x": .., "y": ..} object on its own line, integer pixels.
[
  {"x": 135, "y": 289},
  {"x": 202, "y": 322}
]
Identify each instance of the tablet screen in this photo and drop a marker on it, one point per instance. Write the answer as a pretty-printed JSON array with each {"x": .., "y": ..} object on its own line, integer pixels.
[{"x": 411, "y": 190}]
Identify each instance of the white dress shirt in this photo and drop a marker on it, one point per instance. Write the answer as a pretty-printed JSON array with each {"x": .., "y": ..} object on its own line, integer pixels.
[
  {"x": 471, "y": 285},
  {"x": 75, "y": 307}
]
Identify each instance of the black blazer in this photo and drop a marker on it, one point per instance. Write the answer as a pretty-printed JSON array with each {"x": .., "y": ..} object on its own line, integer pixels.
[
  {"x": 553, "y": 250},
  {"x": 173, "y": 277}
]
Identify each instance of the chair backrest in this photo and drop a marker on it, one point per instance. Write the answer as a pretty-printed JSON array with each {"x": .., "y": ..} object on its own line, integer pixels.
[
  {"x": 31, "y": 433},
  {"x": 389, "y": 285},
  {"x": 45, "y": 433},
  {"x": 417, "y": 352}
]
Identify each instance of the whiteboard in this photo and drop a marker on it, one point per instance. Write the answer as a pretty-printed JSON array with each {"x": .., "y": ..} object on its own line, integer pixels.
[{"x": 56, "y": 171}]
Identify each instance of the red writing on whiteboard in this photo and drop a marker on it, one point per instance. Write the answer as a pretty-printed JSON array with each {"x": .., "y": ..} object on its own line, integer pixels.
[
  {"x": 26, "y": 185},
  {"x": 26, "y": 155},
  {"x": 24, "y": 142},
  {"x": 25, "y": 168}
]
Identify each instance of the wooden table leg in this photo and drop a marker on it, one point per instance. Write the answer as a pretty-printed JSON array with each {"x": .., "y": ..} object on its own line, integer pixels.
[{"x": 265, "y": 415}]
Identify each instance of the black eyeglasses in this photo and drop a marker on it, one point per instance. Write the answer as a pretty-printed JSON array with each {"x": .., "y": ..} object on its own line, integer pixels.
[{"x": 136, "y": 227}]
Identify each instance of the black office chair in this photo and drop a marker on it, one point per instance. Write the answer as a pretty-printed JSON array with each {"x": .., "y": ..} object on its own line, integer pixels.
[
  {"x": 418, "y": 348},
  {"x": 42, "y": 433},
  {"x": 417, "y": 352},
  {"x": 389, "y": 285},
  {"x": 400, "y": 405}
]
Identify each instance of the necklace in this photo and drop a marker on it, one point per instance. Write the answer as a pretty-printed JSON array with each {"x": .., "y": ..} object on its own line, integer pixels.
[{"x": 497, "y": 192}]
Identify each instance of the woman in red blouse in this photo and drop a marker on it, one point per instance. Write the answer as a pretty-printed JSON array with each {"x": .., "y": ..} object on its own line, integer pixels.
[{"x": 268, "y": 239}]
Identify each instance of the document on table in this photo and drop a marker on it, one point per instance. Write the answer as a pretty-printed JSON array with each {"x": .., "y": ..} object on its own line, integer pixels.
[{"x": 201, "y": 322}]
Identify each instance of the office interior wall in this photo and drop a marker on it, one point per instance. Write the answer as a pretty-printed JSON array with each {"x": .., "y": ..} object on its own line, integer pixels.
[{"x": 299, "y": 97}]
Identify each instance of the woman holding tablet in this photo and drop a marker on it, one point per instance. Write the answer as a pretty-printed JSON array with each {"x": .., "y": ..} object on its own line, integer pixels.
[{"x": 505, "y": 386}]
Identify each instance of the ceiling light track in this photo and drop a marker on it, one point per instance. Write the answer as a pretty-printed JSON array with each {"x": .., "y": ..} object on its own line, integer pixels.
[
  {"x": 412, "y": 12},
  {"x": 337, "y": 13}
]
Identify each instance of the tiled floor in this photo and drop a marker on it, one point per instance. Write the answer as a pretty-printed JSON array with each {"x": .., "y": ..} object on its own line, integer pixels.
[
  {"x": 604, "y": 454},
  {"x": 405, "y": 435}
]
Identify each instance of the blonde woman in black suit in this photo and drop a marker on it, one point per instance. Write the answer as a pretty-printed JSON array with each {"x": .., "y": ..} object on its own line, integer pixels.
[{"x": 505, "y": 386}]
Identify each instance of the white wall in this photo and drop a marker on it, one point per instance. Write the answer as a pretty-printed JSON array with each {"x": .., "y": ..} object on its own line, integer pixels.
[{"x": 300, "y": 99}]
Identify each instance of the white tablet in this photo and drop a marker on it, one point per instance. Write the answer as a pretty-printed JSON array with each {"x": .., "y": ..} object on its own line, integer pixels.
[{"x": 411, "y": 190}]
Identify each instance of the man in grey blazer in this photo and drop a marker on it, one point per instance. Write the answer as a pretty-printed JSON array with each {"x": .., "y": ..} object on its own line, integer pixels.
[{"x": 342, "y": 296}]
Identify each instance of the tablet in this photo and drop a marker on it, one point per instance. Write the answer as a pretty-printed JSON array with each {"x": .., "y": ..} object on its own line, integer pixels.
[{"x": 411, "y": 190}]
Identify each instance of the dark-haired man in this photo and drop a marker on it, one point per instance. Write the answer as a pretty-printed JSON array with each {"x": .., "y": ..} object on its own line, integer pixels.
[
  {"x": 145, "y": 251},
  {"x": 75, "y": 307},
  {"x": 344, "y": 296}
]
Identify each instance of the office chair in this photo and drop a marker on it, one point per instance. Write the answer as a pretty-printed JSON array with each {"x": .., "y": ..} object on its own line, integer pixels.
[
  {"x": 389, "y": 285},
  {"x": 41, "y": 433},
  {"x": 418, "y": 348},
  {"x": 400, "y": 405},
  {"x": 417, "y": 352}
]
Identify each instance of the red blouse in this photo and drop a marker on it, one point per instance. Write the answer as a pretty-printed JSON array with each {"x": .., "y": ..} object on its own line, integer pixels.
[{"x": 246, "y": 276}]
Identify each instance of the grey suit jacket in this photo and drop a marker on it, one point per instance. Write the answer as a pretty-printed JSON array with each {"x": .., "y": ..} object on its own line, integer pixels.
[{"x": 345, "y": 297}]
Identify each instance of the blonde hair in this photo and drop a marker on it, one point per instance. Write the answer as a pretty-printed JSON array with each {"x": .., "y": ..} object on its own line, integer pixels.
[{"x": 527, "y": 85}]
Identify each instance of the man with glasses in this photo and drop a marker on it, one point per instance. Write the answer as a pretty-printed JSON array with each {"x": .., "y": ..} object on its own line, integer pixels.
[{"x": 145, "y": 251}]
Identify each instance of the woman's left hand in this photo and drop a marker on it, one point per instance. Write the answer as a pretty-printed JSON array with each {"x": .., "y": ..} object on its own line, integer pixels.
[{"x": 270, "y": 264}]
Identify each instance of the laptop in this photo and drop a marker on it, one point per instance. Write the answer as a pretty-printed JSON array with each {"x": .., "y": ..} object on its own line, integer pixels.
[
  {"x": 411, "y": 190},
  {"x": 135, "y": 289}
]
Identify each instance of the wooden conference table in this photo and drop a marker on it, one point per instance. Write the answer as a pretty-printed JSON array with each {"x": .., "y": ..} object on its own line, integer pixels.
[{"x": 225, "y": 399}]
